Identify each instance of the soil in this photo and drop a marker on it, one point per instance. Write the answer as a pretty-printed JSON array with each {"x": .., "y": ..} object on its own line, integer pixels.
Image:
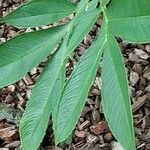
[{"x": 92, "y": 131}]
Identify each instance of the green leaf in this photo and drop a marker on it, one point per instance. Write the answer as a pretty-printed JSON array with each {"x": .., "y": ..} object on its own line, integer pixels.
[
  {"x": 20, "y": 54},
  {"x": 59, "y": 86},
  {"x": 82, "y": 5},
  {"x": 130, "y": 20},
  {"x": 40, "y": 12},
  {"x": 84, "y": 24},
  {"x": 104, "y": 2},
  {"x": 116, "y": 101},
  {"x": 93, "y": 4},
  {"x": 76, "y": 90},
  {"x": 44, "y": 101}
]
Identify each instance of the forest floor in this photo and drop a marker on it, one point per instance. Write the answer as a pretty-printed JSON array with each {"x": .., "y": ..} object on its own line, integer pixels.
[{"x": 92, "y": 131}]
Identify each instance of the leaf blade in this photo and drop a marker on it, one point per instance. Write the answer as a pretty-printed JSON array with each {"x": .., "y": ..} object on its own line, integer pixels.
[
  {"x": 76, "y": 91},
  {"x": 136, "y": 21},
  {"x": 84, "y": 20},
  {"x": 84, "y": 25},
  {"x": 17, "y": 53},
  {"x": 37, "y": 13},
  {"x": 44, "y": 101},
  {"x": 116, "y": 96}
]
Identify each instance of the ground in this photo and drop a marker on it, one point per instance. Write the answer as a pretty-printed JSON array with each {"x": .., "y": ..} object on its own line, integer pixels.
[{"x": 92, "y": 131}]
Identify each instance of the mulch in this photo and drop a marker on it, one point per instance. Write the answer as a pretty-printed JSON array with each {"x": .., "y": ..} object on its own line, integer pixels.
[{"x": 92, "y": 131}]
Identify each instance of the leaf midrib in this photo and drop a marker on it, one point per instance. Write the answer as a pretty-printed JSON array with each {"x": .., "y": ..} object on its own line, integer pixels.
[{"x": 5, "y": 19}]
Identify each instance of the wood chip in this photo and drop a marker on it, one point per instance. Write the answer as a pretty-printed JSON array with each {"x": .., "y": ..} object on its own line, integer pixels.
[
  {"x": 147, "y": 88},
  {"x": 84, "y": 125},
  {"x": 134, "y": 78},
  {"x": 80, "y": 134},
  {"x": 11, "y": 88},
  {"x": 134, "y": 58},
  {"x": 146, "y": 74},
  {"x": 92, "y": 139},
  {"x": 14, "y": 144},
  {"x": 9, "y": 134},
  {"x": 116, "y": 146},
  {"x": 139, "y": 103},
  {"x": 141, "y": 54},
  {"x": 108, "y": 136},
  {"x": 137, "y": 68},
  {"x": 147, "y": 48},
  {"x": 28, "y": 80},
  {"x": 99, "y": 128},
  {"x": 146, "y": 122}
]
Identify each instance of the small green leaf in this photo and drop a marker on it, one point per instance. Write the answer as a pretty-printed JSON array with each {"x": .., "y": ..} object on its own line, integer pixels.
[
  {"x": 76, "y": 90},
  {"x": 115, "y": 94},
  {"x": 44, "y": 101},
  {"x": 20, "y": 54},
  {"x": 40, "y": 12}
]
